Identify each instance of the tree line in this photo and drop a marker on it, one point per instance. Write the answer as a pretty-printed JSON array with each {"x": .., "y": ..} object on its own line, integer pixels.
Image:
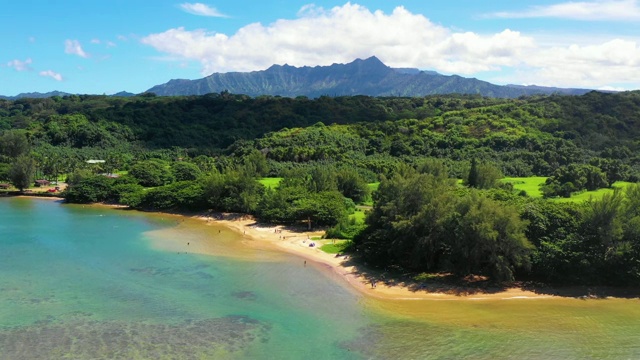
[{"x": 207, "y": 152}]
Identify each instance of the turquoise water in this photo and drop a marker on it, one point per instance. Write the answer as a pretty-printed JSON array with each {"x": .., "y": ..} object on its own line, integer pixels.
[
  {"x": 85, "y": 282},
  {"x": 98, "y": 283}
]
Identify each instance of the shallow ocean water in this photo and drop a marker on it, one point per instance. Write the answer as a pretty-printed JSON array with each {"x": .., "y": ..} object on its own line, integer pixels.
[{"x": 92, "y": 282}]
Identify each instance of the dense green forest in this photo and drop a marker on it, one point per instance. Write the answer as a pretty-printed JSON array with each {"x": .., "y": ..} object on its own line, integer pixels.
[{"x": 207, "y": 152}]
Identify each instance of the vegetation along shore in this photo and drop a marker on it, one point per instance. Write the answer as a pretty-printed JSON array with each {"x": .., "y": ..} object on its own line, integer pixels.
[{"x": 450, "y": 195}]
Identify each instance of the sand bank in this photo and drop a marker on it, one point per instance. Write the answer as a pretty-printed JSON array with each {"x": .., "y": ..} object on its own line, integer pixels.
[{"x": 378, "y": 284}]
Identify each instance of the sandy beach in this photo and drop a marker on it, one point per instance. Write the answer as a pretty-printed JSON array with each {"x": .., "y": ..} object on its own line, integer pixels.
[
  {"x": 367, "y": 280},
  {"x": 373, "y": 283}
]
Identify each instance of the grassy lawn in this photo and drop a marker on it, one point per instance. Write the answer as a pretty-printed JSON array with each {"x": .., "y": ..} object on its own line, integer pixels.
[
  {"x": 358, "y": 216},
  {"x": 529, "y": 184},
  {"x": 368, "y": 202},
  {"x": 270, "y": 182},
  {"x": 595, "y": 195},
  {"x": 338, "y": 247},
  {"x": 532, "y": 186},
  {"x": 374, "y": 186}
]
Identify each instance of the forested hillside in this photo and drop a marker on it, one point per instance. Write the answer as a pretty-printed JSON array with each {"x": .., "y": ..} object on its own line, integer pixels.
[{"x": 440, "y": 205}]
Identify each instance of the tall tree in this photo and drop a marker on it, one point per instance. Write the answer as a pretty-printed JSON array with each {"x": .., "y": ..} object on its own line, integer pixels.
[
  {"x": 13, "y": 143},
  {"x": 488, "y": 237},
  {"x": 323, "y": 178},
  {"x": 352, "y": 185},
  {"x": 22, "y": 172},
  {"x": 472, "y": 178}
]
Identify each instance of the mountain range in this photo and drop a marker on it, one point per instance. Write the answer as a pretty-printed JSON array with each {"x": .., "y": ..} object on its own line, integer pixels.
[
  {"x": 361, "y": 77},
  {"x": 38, "y": 95}
]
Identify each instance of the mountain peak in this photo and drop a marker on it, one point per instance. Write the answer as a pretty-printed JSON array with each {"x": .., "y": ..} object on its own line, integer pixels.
[
  {"x": 370, "y": 62},
  {"x": 368, "y": 76}
]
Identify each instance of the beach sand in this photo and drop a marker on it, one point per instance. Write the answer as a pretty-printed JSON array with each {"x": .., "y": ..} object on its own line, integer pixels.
[
  {"x": 356, "y": 274},
  {"x": 296, "y": 241}
]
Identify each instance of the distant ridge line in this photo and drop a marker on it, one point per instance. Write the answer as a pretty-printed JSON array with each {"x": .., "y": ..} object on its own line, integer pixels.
[{"x": 361, "y": 77}]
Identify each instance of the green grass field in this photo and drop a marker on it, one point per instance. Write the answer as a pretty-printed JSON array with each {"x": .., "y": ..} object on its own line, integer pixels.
[
  {"x": 338, "y": 247},
  {"x": 594, "y": 195},
  {"x": 374, "y": 186},
  {"x": 532, "y": 186},
  {"x": 529, "y": 184},
  {"x": 359, "y": 216},
  {"x": 270, "y": 182}
]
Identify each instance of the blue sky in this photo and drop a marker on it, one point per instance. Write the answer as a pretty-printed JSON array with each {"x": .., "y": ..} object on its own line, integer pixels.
[{"x": 106, "y": 46}]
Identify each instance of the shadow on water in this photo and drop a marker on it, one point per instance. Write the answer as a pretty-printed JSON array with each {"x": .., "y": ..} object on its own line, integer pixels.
[
  {"x": 447, "y": 283},
  {"x": 450, "y": 284},
  {"x": 581, "y": 292}
]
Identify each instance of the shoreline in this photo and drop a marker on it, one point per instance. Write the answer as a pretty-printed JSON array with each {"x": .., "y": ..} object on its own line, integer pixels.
[
  {"x": 385, "y": 285},
  {"x": 371, "y": 282}
]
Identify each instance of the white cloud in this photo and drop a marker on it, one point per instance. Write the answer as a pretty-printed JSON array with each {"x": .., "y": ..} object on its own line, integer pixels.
[
  {"x": 402, "y": 39},
  {"x": 611, "y": 88},
  {"x": 20, "y": 65},
  {"x": 95, "y": 41},
  {"x": 598, "y": 10},
  {"x": 201, "y": 10},
  {"x": 594, "y": 66},
  {"x": 342, "y": 34},
  {"x": 111, "y": 44},
  {"x": 73, "y": 47},
  {"x": 52, "y": 74}
]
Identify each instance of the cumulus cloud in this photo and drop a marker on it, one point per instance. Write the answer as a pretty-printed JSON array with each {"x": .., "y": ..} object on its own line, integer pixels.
[
  {"x": 95, "y": 41},
  {"x": 594, "y": 66},
  {"x": 201, "y": 10},
  {"x": 321, "y": 36},
  {"x": 52, "y": 74},
  {"x": 73, "y": 47},
  {"x": 20, "y": 65},
  {"x": 599, "y": 10},
  {"x": 342, "y": 34}
]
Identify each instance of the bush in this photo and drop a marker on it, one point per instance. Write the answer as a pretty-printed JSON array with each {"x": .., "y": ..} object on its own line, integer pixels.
[
  {"x": 183, "y": 171},
  {"x": 345, "y": 229},
  {"x": 92, "y": 189},
  {"x": 150, "y": 173}
]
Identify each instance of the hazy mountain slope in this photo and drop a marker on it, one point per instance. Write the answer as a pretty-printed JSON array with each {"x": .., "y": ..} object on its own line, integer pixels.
[{"x": 360, "y": 77}]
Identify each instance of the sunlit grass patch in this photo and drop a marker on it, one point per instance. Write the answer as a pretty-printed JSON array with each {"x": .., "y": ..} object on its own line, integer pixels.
[
  {"x": 358, "y": 216},
  {"x": 594, "y": 195},
  {"x": 529, "y": 184},
  {"x": 374, "y": 186},
  {"x": 334, "y": 248},
  {"x": 270, "y": 182}
]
